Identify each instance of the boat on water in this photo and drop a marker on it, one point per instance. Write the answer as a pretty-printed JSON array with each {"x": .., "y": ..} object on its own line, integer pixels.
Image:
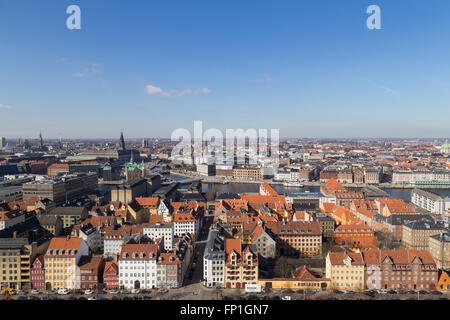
[{"x": 292, "y": 184}]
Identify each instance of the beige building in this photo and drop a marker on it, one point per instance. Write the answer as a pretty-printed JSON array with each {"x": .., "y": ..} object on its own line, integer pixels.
[
  {"x": 61, "y": 262},
  {"x": 15, "y": 257},
  {"x": 415, "y": 234},
  {"x": 345, "y": 270},
  {"x": 439, "y": 247}
]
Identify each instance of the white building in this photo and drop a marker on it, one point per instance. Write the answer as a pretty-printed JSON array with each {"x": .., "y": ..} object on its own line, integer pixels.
[
  {"x": 185, "y": 222},
  {"x": 163, "y": 210},
  {"x": 137, "y": 266},
  {"x": 430, "y": 201},
  {"x": 214, "y": 260},
  {"x": 161, "y": 231},
  {"x": 113, "y": 241},
  {"x": 90, "y": 235}
]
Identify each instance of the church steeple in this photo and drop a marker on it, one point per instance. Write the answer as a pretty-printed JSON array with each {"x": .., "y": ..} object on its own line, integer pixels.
[
  {"x": 40, "y": 142},
  {"x": 122, "y": 141}
]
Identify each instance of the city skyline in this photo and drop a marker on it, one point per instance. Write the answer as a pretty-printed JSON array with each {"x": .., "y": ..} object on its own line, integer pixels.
[{"x": 309, "y": 69}]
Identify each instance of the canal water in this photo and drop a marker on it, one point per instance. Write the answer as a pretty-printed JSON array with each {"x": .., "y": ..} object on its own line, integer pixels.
[{"x": 404, "y": 194}]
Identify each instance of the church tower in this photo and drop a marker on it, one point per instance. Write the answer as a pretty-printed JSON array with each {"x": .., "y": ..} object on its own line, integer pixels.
[
  {"x": 40, "y": 142},
  {"x": 122, "y": 141}
]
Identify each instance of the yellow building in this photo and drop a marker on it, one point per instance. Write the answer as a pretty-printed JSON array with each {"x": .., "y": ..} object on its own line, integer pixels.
[
  {"x": 61, "y": 262},
  {"x": 302, "y": 279},
  {"x": 137, "y": 213},
  {"x": 345, "y": 270}
]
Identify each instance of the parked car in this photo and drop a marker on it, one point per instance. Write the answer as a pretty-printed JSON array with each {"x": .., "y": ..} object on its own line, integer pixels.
[
  {"x": 21, "y": 298},
  {"x": 9, "y": 291},
  {"x": 88, "y": 292},
  {"x": 135, "y": 291},
  {"x": 63, "y": 291},
  {"x": 286, "y": 298},
  {"x": 92, "y": 298},
  {"x": 113, "y": 291},
  {"x": 349, "y": 291},
  {"x": 437, "y": 292},
  {"x": 34, "y": 291}
]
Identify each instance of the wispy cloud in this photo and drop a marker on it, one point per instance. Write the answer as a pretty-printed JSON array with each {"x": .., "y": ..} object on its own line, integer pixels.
[
  {"x": 264, "y": 79},
  {"x": 381, "y": 86},
  {"x": 2, "y": 106},
  {"x": 157, "y": 91},
  {"x": 94, "y": 68}
]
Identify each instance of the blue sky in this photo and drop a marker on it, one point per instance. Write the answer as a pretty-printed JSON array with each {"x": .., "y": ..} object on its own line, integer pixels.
[{"x": 308, "y": 68}]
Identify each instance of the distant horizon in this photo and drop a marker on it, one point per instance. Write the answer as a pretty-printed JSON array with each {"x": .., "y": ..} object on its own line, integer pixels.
[{"x": 283, "y": 138}]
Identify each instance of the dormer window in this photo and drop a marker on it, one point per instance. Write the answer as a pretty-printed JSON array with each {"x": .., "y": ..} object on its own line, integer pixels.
[{"x": 141, "y": 255}]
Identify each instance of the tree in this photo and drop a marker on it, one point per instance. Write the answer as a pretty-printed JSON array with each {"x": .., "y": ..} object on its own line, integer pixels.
[{"x": 283, "y": 268}]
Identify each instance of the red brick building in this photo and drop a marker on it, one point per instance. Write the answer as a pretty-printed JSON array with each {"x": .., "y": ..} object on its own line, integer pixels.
[
  {"x": 57, "y": 168},
  {"x": 91, "y": 272},
  {"x": 37, "y": 274},
  {"x": 111, "y": 275},
  {"x": 345, "y": 198},
  {"x": 400, "y": 269}
]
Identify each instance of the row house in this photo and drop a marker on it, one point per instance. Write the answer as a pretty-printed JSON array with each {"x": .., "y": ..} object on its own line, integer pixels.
[
  {"x": 91, "y": 272},
  {"x": 247, "y": 174},
  {"x": 256, "y": 233},
  {"x": 345, "y": 270},
  {"x": 111, "y": 275},
  {"x": 163, "y": 231},
  {"x": 168, "y": 270},
  {"x": 185, "y": 222},
  {"x": 137, "y": 266},
  {"x": 151, "y": 204},
  {"x": 296, "y": 237},
  {"x": 345, "y": 198},
  {"x": 355, "y": 236},
  {"x": 345, "y": 176},
  {"x": 90, "y": 235},
  {"x": 326, "y": 175},
  {"x": 439, "y": 247},
  {"x": 37, "y": 274},
  {"x": 416, "y": 234},
  {"x": 241, "y": 264},
  {"x": 358, "y": 176},
  {"x": 62, "y": 262},
  {"x": 373, "y": 175},
  {"x": 400, "y": 269},
  {"x": 430, "y": 201},
  {"x": 214, "y": 259},
  {"x": 369, "y": 205}
]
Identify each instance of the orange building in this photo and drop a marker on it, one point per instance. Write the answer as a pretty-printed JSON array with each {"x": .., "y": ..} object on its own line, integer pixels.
[
  {"x": 444, "y": 281},
  {"x": 355, "y": 236}
]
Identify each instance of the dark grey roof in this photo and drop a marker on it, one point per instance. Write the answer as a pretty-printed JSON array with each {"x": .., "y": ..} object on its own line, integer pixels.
[
  {"x": 442, "y": 237},
  {"x": 228, "y": 195},
  {"x": 70, "y": 211},
  {"x": 45, "y": 219},
  {"x": 12, "y": 243}
]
